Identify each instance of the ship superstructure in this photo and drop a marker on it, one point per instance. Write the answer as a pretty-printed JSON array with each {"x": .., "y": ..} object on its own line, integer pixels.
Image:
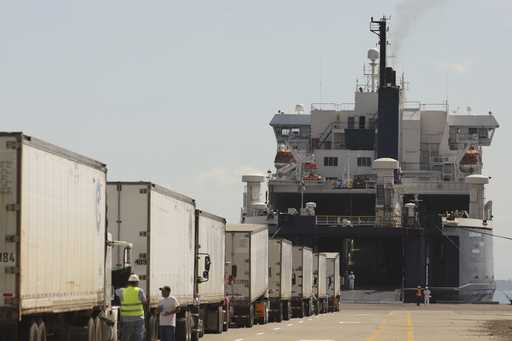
[{"x": 395, "y": 186}]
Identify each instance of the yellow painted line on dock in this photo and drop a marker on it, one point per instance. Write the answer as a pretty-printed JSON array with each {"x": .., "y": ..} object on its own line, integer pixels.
[
  {"x": 410, "y": 329},
  {"x": 376, "y": 333}
]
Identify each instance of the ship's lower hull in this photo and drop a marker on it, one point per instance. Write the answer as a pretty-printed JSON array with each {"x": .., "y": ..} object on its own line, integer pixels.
[
  {"x": 460, "y": 267},
  {"x": 476, "y": 264}
]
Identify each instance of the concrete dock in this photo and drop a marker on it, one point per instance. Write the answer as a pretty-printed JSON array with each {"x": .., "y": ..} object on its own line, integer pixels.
[{"x": 387, "y": 322}]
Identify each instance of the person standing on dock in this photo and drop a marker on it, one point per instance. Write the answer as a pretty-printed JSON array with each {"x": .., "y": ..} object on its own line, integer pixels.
[
  {"x": 427, "y": 294},
  {"x": 167, "y": 308},
  {"x": 351, "y": 280},
  {"x": 419, "y": 295},
  {"x": 132, "y": 300}
]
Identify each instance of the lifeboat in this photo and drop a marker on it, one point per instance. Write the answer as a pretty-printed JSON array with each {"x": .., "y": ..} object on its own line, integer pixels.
[
  {"x": 470, "y": 160},
  {"x": 312, "y": 177},
  {"x": 283, "y": 157}
]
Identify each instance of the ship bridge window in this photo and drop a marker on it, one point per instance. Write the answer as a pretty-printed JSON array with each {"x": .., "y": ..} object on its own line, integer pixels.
[
  {"x": 351, "y": 122},
  {"x": 473, "y": 131},
  {"x": 364, "y": 162},
  {"x": 285, "y": 132},
  {"x": 295, "y": 131},
  {"x": 330, "y": 161},
  {"x": 362, "y": 122},
  {"x": 483, "y": 133}
]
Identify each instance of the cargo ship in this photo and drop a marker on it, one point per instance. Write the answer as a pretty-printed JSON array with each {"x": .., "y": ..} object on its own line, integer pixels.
[{"x": 396, "y": 186}]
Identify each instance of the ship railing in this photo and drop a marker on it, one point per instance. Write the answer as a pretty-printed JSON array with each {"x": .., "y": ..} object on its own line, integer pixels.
[
  {"x": 415, "y": 106},
  {"x": 429, "y": 185},
  {"x": 333, "y": 106},
  {"x": 345, "y": 221}
]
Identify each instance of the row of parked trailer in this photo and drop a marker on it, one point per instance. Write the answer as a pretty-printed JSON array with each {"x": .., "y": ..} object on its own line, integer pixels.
[
  {"x": 69, "y": 238},
  {"x": 272, "y": 280}
]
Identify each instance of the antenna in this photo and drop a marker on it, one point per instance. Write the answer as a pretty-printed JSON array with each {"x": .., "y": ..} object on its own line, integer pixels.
[
  {"x": 321, "y": 79},
  {"x": 379, "y": 27},
  {"x": 373, "y": 55}
]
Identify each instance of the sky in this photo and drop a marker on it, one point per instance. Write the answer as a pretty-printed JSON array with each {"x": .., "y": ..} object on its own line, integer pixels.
[{"x": 181, "y": 92}]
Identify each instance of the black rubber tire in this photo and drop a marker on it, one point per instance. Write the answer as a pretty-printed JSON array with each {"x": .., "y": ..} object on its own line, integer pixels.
[
  {"x": 286, "y": 310},
  {"x": 264, "y": 320},
  {"x": 108, "y": 331},
  {"x": 91, "y": 330},
  {"x": 33, "y": 334},
  {"x": 220, "y": 320},
  {"x": 189, "y": 325},
  {"x": 98, "y": 330},
  {"x": 303, "y": 309},
  {"x": 226, "y": 319},
  {"x": 278, "y": 315},
  {"x": 250, "y": 317}
]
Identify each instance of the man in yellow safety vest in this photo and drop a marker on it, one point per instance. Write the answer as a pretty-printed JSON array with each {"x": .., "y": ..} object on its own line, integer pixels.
[{"x": 132, "y": 300}]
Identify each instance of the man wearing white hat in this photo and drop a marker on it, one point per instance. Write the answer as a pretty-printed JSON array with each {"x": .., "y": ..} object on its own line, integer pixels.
[{"x": 132, "y": 300}]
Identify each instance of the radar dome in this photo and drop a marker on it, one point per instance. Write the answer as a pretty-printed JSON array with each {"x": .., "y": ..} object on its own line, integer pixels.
[{"x": 373, "y": 54}]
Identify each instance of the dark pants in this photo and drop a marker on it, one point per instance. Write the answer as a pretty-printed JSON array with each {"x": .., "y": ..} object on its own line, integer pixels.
[
  {"x": 167, "y": 333},
  {"x": 418, "y": 300}
]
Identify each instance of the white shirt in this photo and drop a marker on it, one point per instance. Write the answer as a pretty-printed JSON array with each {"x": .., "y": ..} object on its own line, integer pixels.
[{"x": 166, "y": 305}]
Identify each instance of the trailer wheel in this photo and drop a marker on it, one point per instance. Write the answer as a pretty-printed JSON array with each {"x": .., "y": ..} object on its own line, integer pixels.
[
  {"x": 220, "y": 319},
  {"x": 108, "y": 332},
  {"x": 287, "y": 308},
  {"x": 277, "y": 314},
  {"x": 225, "y": 319},
  {"x": 91, "y": 330},
  {"x": 302, "y": 309},
  {"x": 42, "y": 331},
  {"x": 250, "y": 319},
  {"x": 34, "y": 332},
  {"x": 98, "y": 330}
]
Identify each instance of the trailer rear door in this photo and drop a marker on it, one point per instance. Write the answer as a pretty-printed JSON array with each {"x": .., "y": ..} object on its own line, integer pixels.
[{"x": 9, "y": 205}]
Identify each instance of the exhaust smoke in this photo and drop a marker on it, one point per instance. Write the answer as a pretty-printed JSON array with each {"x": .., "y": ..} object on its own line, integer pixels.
[{"x": 407, "y": 14}]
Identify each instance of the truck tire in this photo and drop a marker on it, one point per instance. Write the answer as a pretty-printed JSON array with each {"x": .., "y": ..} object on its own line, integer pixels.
[
  {"x": 250, "y": 318},
  {"x": 98, "y": 330},
  {"x": 277, "y": 315},
  {"x": 108, "y": 332},
  {"x": 226, "y": 319},
  {"x": 302, "y": 309},
  {"x": 287, "y": 310},
  {"x": 189, "y": 324},
  {"x": 33, "y": 334},
  {"x": 220, "y": 320},
  {"x": 91, "y": 330},
  {"x": 266, "y": 305},
  {"x": 42, "y": 332}
]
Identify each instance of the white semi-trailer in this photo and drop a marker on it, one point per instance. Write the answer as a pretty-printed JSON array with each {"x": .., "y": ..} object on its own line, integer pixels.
[
  {"x": 54, "y": 252},
  {"x": 320, "y": 282},
  {"x": 302, "y": 281},
  {"x": 333, "y": 281},
  {"x": 211, "y": 250},
  {"x": 280, "y": 279},
  {"x": 247, "y": 273},
  {"x": 160, "y": 224}
]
